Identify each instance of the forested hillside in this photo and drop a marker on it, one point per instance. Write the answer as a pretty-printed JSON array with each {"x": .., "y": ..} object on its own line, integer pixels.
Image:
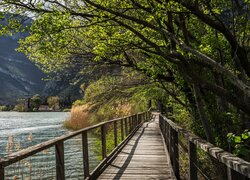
[{"x": 19, "y": 77}]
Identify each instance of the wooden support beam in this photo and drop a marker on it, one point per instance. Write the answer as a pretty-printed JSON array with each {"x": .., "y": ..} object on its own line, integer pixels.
[
  {"x": 138, "y": 119},
  {"x": 192, "y": 161},
  {"x": 85, "y": 154},
  {"x": 103, "y": 134},
  {"x": 130, "y": 124},
  {"x": 60, "y": 169},
  {"x": 1, "y": 173},
  {"x": 234, "y": 175},
  {"x": 115, "y": 134},
  {"x": 175, "y": 153},
  {"x": 122, "y": 129},
  {"x": 126, "y": 126}
]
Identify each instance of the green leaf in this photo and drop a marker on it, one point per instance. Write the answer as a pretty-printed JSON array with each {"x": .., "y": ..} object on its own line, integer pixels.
[
  {"x": 245, "y": 136},
  {"x": 237, "y": 139}
]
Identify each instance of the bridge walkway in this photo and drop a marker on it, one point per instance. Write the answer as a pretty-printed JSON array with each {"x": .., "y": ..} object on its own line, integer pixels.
[{"x": 143, "y": 157}]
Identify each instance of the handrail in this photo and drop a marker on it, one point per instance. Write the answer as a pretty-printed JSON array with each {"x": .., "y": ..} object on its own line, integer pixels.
[
  {"x": 134, "y": 121},
  {"x": 238, "y": 168}
]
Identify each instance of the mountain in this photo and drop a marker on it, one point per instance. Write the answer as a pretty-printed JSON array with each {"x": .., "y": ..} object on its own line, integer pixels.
[{"x": 19, "y": 77}]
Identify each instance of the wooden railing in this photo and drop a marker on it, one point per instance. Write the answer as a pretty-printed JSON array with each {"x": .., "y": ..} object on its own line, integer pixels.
[
  {"x": 237, "y": 168},
  {"x": 129, "y": 125}
]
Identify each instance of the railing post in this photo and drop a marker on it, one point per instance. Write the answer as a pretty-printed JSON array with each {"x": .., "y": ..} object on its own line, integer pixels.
[
  {"x": 138, "y": 119},
  {"x": 175, "y": 152},
  {"x": 122, "y": 129},
  {"x": 169, "y": 138},
  {"x": 85, "y": 154},
  {"x": 103, "y": 134},
  {"x": 233, "y": 175},
  {"x": 1, "y": 173},
  {"x": 192, "y": 161},
  {"x": 130, "y": 124},
  {"x": 126, "y": 126},
  {"x": 133, "y": 122},
  {"x": 167, "y": 135},
  {"x": 115, "y": 133},
  {"x": 60, "y": 169}
]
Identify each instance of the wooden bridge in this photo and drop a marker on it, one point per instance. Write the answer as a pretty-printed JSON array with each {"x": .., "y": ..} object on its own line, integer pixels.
[{"x": 151, "y": 147}]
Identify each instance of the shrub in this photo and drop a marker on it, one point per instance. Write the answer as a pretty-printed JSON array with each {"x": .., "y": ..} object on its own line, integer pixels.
[
  {"x": 78, "y": 119},
  {"x": 20, "y": 108},
  {"x": 36, "y": 101},
  {"x": 79, "y": 103},
  {"x": 53, "y": 102},
  {"x": 4, "y": 108}
]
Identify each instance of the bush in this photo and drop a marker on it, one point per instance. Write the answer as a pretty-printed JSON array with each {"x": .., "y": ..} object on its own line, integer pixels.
[
  {"x": 79, "y": 103},
  {"x": 36, "y": 101},
  {"x": 54, "y": 102},
  {"x": 20, "y": 108},
  {"x": 4, "y": 108},
  {"x": 78, "y": 119}
]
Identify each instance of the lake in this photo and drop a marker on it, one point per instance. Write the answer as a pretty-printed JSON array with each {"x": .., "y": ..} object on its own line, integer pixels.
[{"x": 21, "y": 130}]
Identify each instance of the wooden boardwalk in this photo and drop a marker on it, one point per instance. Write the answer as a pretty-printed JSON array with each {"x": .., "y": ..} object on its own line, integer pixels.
[
  {"x": 144, "y": 157},
  {"x": 141, "y": 155}
]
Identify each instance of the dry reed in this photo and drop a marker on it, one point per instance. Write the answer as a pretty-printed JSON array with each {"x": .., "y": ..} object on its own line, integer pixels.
[{"x": 78, "y": 119}]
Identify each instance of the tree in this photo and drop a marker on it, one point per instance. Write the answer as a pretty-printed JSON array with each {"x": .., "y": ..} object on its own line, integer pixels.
[
  {"x": 36, "y": 102},
  {"x": 196, "y": 46},
  {"x": 54, "y": 102}
]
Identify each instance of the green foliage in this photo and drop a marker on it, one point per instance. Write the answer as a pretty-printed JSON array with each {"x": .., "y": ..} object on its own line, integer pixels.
[
  {"x": 4, "y": 108},
  {"x": 79, "y": 102},
  {"x": 20, "y": 108},
  {"x": 240, "y": 144},
  {"x": 173, "y": 45},
  {"x": 36, "y": 101}
]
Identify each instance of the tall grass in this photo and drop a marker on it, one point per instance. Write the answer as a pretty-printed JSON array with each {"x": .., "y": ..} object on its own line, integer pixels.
[
  {"x": 78, "y": 118},
  {"x": 89, "y": 114}
]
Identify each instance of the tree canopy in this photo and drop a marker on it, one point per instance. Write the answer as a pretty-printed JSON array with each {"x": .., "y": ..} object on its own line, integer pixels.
[{"x": 199, "y": 47}]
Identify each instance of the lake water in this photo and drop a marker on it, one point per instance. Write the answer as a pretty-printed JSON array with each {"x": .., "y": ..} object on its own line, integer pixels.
[
  {"x": 21, "y": 130},
  {"x": 41, "y": 126}
]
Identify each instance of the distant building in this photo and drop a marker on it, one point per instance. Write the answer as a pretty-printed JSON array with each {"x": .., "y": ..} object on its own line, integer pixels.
[{"x": 44, "y": 108}]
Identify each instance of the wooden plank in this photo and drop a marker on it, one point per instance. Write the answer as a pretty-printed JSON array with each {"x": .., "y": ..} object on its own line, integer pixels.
[
  {"x": 85, "y": 154},
  {"x": 145, "y": 152},
  {"x": 141, "y": 165},
  {"x": 142, "y": 157},
  {"x": 143, "y": 171},
  {"x": 137, "y": 176},
  {"x": 60, "y": 169}
]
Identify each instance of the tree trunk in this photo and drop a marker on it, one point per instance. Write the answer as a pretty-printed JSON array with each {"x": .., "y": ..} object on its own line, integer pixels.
[{"x": 204, "y": 120}]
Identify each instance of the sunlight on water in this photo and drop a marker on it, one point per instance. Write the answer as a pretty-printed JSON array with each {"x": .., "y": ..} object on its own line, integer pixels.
[
  {"x": 21, "y": 130},
  {"x": 42, "y": 125}
]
